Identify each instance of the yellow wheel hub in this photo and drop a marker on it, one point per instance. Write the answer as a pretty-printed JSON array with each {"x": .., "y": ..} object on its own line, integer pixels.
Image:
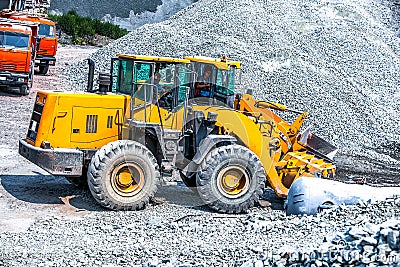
[
  {"x": 127, "y": 179},
  {"x": 124, "y": 179},
  {"x": 233, "y": 181}
]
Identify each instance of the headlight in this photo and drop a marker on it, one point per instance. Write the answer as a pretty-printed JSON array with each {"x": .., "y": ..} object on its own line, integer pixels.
[{"x": 21, "y": 79}]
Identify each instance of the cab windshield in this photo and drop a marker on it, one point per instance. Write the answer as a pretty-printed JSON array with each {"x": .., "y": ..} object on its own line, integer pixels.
[
  {"x": 213, "y": 85},
  {"x": 46, "y": 30},
  {"x": 161, "y": 83},
  {"x": 14, "y": 40}
]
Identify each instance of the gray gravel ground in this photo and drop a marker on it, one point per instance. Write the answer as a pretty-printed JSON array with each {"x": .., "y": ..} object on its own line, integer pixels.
[
  {"x": 178, "y": 235},
  {"x": 337, "y": 59}
]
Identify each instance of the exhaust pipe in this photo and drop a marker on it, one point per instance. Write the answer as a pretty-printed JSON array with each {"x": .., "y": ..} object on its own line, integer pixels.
[
  {"x": 312, "y": 195},
  {"x": 90, "y": 75}
]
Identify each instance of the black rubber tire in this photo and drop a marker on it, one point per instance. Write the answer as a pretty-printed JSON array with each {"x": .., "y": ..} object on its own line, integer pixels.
[
  {"x": 115, "y": 155},
  {"x": 224, "y": 157},
  {"x": 43, "y": 69},
  {"x": 24, "y": 90}
]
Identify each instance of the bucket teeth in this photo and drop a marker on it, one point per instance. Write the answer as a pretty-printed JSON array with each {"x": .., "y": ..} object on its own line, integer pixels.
[{"x": 308, "y": 162}]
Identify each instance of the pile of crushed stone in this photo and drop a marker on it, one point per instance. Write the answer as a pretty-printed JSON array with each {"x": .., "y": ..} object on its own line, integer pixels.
[{"x": 337, "y": 59}]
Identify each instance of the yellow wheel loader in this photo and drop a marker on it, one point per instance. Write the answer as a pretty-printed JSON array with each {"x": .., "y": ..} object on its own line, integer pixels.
[{"x": 152, "y": 116}]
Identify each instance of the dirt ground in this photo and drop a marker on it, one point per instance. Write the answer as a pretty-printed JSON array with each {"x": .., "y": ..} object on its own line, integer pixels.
[{"x": 26, "y": 191}]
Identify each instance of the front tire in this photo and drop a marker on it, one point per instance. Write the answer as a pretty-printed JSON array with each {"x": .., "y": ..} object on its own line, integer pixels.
[
  {"x": 231, "y": 179},
  {"x": 123, "y": 175}
]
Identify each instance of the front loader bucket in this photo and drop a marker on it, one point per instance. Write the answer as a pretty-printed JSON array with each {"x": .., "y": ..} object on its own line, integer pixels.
[
  {"x": 317, "y": 146},
  {"x": 310, "y": 195}
]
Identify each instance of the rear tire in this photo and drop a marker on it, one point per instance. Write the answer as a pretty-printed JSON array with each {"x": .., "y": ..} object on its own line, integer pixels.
[
  {"x": 24, "y": 90},
  {"x": 123, "y": 175},
  {"x": 231, "y": 179},
  {"x": 43, "y": 69}
]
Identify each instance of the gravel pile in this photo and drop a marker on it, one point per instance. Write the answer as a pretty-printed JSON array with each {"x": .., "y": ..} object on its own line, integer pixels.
[
  {"x": 361, "y": 245},
  {"x": 337, "y": 59},
  {"x": 170, "y": 235}
]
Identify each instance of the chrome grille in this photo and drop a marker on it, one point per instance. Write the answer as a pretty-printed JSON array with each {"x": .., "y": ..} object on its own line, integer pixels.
[{"x": 8, "y": 67}]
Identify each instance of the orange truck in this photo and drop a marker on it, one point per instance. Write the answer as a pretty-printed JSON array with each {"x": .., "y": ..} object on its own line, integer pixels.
[
  {"x": 48, "y": 40},
  {"x": 17, "y": 54}
]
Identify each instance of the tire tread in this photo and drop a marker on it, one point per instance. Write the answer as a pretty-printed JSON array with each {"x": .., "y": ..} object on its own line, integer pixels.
[
  {"x": 206, "y": 173},
  {"x": 98, "y": 166}
]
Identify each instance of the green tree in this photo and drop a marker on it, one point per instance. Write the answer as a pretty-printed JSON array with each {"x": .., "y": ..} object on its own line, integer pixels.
[{"x": 83, "y": 29}]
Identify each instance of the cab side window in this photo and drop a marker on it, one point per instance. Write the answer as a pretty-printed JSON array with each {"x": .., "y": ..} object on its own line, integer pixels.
[
  {"x": 184, "y": 78},
  {"x": 205, "y": 80},
  {"x": 143, "y": 82},
  {"x": 125, "y": 77}
]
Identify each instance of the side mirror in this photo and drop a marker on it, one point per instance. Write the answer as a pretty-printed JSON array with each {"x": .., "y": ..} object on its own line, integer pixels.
[{"x": 37, "y": 41}]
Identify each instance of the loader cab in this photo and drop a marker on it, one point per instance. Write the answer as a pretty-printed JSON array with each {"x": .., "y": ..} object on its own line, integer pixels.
[
  {"x": 151, "y": 80},
  {"x": 213, "y": 80}
]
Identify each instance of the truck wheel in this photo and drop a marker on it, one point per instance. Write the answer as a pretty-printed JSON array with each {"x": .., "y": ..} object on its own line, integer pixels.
[
  {"x": 43, "y": 69},
  {"x": 231, "y": 179},
  {"x": 123, "y": 175},
  {"x": 24, "y": 90}
]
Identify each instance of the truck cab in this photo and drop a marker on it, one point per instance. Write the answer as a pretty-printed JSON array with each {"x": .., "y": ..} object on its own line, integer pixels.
[
  {"x": 17, "y": 54},
  {"x": 48, "y": 40}
]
